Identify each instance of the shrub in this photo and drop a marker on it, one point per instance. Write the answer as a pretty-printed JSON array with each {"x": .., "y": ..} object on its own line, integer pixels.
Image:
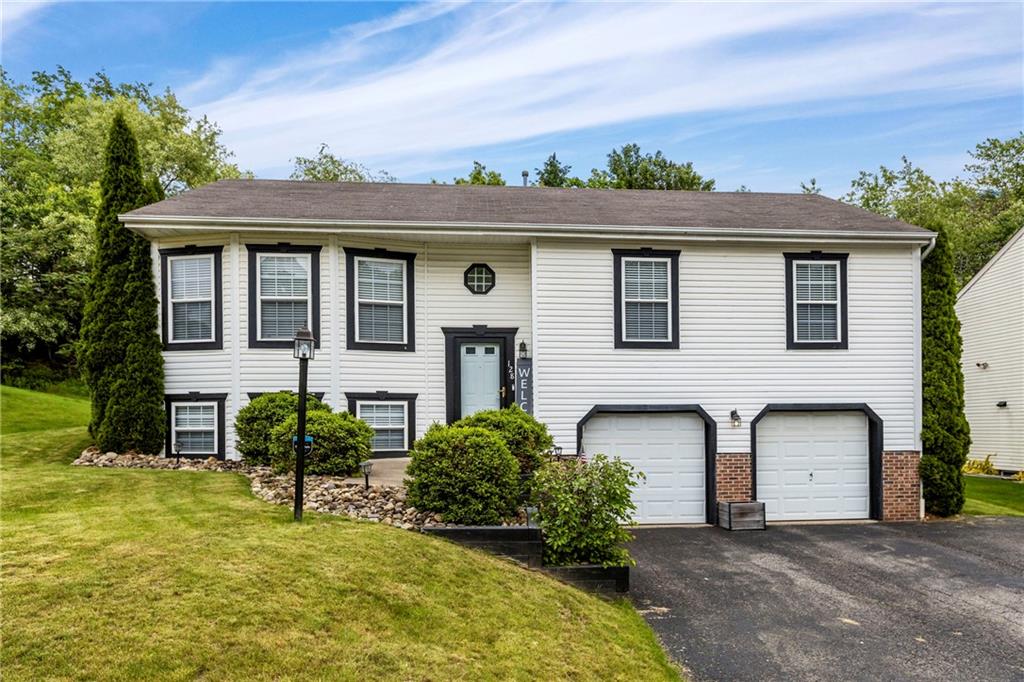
[
  {"x": 340, "y": 443},
  {"x": 527, "y": 439},
  {"x": 1019, "y": 476},
  {"x": 980, "y": 466},
  {"x": 945, "y": 433},
  {"x": 466, "y": 474},
  {"x": 582, "y": 506},
  {"x": 263, "y": 414}
]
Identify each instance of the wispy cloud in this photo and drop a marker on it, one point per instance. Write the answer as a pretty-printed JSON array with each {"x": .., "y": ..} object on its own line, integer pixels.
[
  {"x": 15, "y": 14},
  {"x": 481, "y": 75}
]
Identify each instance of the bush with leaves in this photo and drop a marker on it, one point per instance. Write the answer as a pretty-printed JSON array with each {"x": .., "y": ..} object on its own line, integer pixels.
[
  {"x": 945, "y": 433},
  {"x": 582, "y": 508},
  {"x": 255, "y": 422},
  {"x": 980, "y": 466},
  {"x": 466, "y": 474},
  {"x": 340, "y": 443},
  {"x": 527, "y": 439}
]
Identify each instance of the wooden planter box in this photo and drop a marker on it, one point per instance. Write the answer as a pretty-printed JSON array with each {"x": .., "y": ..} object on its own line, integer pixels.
[
  {"x": 741, "y": 515},
  {"x": 520, "y": 543},
  {"x": 593, "y": 578}
]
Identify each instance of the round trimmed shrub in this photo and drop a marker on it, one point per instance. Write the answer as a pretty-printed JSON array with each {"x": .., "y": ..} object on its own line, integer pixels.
[
  {"x": 466, "y": 474},
  {"x": 527, "y": 439},
  {"x": 256, "y": 420},
  {"x": 340, "y": 443},
  {"x": 582, "y": 507}
]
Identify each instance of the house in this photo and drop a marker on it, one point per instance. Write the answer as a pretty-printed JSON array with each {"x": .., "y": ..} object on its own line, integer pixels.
[
  {"x": 991, "y": 312},
  {"x": 733, "y": 346}
]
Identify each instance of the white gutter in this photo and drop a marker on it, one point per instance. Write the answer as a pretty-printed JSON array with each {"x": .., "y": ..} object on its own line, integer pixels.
[
  {"x": 931, "y": 245},
  {"x": 206, "y": 224}
]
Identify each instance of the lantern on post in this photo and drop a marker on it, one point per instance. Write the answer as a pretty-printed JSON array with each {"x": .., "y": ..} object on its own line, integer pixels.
[{"x": 305, "y": 349}]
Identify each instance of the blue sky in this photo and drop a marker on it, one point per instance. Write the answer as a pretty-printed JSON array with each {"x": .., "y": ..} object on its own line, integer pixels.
[{"x": 763, "y": 95}]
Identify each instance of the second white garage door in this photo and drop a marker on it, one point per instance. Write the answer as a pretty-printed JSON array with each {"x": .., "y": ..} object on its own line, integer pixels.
[
  {"x": 668, "y": 447},
  {"x": 813, "y": 466}
]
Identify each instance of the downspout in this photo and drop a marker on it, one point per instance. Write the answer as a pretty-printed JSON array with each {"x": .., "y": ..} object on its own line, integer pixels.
[{"x": 928, "y": 249}]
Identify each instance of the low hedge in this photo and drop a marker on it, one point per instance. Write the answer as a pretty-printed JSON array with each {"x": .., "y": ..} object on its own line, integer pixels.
[
  {"x": 340, "y": 443},
  {"x": 527, "y": 439},
  {"x": 582, "y": 507},
  {"x": 263, "y": 414},
  {"x": 466, "y": 474}
]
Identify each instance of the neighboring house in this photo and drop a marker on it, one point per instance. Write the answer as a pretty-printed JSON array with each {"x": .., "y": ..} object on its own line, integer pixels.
[
  {"x": 731, "y": 345},
  {"x": 991, "y": 312}
]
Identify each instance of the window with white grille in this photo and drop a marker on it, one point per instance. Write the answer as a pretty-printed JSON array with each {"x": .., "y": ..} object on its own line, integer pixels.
[
  {"x": 380, "y": 300},
  {"x": 194, "y": 428},
  {"x": 646, "y": 299},
  {"x": 817, "y": 301},
  {"x": 284, "y": 290},
  {"x": 389, "y": 422},
  {"x": 191, "y": 309}
]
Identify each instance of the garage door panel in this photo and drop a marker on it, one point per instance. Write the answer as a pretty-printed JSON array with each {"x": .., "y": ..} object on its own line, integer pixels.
[
  {"x": 813, "y": 465},
  {"x": 669, "y": 449}
]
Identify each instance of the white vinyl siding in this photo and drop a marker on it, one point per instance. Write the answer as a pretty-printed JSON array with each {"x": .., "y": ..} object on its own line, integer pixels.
[
  {"x": 817, "y": 300},
  {"x": 194, "y": 427},
  {"x": 732, "y": 345},
  {"x": 191, "y": 305},
  {"x": 388, "y": 420},
  {"x": 991, "y": 312},
  {"x": 646, "y": 299},
  {"x": 380, "y": 300},
  {"x": 284, "y": 291}
]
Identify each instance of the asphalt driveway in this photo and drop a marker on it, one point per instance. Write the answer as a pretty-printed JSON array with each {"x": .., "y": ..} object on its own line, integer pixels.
[{"x": 931, "y": 601}]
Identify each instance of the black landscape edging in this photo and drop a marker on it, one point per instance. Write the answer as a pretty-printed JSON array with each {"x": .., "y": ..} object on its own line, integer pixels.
[
  {"x": 593, "y": 577},
  {"x": 525, "y": 544},
  {"x": 521, "y": 543}
]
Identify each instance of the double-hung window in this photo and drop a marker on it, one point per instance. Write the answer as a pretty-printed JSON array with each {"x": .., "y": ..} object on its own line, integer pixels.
[
  {"x": 283, "y": 293},
  {"x": 392, "y": 417},
  {"x": 646, "y": 299},
  {"x": 816, "y": 300},
  {"x": 380, "y": 300},
  {"x": 195, "y": 425},
  {"x": 191, "y": 298}
]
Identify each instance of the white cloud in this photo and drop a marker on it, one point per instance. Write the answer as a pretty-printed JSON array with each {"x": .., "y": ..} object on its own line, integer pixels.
[
  {"x": 16, "y": 14},
  {"x": 495, "y": 74}
]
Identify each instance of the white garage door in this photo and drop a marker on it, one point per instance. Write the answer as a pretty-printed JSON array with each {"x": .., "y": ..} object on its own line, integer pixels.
[
  {"x": 813, "y": 466},
  {"x": 668, "y": 448}
]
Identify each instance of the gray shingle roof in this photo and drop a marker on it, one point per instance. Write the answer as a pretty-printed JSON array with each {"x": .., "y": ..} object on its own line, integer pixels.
[{"x": 483, "y": 205}]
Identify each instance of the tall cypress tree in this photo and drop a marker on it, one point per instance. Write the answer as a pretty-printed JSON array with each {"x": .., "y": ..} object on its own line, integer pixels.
[
  {"x": 120, "y": 348},
  {"x": 946, "y": 435}
]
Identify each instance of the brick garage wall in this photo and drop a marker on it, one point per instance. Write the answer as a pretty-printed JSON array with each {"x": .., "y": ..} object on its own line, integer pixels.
[
  {"x": 732, "y": 477},
  {"x": 901, "y": 486}
]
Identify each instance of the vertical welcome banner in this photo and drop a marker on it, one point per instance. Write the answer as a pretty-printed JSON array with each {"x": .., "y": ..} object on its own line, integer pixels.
[{"x": 524, "y": 384}]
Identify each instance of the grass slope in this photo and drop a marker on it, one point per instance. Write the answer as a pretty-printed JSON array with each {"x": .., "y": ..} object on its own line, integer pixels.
[
  {"x": 134, "y": 574},
  {"x": 993, "y": 497}
]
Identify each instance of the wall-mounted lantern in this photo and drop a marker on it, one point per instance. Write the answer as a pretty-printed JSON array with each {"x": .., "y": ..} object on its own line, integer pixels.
[{"x": 734, "y": 418}]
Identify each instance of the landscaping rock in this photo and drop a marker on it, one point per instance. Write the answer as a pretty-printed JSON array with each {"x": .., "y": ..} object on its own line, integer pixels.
[{"x": 324, "y": 494}]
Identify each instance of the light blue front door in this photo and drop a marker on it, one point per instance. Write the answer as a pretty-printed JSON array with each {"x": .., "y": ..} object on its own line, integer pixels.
[{"x": 481, "y": 374}]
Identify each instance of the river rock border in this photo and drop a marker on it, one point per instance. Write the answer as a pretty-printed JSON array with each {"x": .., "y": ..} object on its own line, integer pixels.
[{"x": 324, "y": 494}]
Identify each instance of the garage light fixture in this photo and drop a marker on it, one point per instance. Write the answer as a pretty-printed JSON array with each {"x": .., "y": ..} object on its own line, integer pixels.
[{"x": 734, "y": 417}]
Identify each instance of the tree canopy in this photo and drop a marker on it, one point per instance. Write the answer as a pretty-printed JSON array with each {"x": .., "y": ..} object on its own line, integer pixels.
[
  {"x": 326, "y": 167},
  {"x": 50, "y": 168}
]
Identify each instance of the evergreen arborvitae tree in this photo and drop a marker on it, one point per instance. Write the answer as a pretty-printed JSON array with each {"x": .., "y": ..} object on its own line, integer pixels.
[
  {"x": 946, "y": 435},
  {"x": 120, "y": 348}
]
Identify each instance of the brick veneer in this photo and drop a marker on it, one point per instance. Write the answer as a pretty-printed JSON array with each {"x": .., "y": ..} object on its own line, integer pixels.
[
  {"x": 901, "y": 486},
  {"x": 732, "y": 477}
]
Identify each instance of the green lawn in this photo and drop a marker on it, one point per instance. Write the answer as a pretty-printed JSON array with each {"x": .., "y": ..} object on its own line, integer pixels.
[
  {"x": 134, "y": 574},
  {"x": 993, "y": 497}
]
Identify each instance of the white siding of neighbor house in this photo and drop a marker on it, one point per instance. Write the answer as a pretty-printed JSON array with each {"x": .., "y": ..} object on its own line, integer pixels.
[
  {"x": 732, "y": 353},
  {"x": 441, "y": 300},
  {"x": 991, "y": 312}
]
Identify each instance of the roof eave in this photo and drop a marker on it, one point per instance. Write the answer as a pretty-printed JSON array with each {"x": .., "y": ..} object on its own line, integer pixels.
[{"x": 206, "y": 223}]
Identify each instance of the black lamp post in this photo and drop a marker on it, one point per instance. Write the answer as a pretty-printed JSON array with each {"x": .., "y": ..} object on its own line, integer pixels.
[{"x": 305, "y": 349}]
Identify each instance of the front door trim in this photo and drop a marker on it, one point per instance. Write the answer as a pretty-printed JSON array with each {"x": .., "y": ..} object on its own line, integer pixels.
[
  {"x": 710, "y": 443},
  {"x": 874, "y": 445},
  {"x": 454, "y": 337}
]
